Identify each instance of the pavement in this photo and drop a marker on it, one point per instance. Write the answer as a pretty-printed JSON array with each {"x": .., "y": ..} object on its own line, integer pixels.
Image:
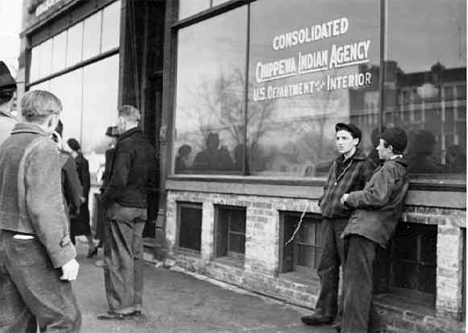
[{"x": 175, "y": 301}]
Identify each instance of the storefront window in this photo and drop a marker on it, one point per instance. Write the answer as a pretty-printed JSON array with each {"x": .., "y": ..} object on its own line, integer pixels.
[
  {"x": 75, "y": 44},
  {"x": 110, "y": 27},
  {"x": 190, "y": 7},
  {"x": 92, "y": 36},
  {"x": 46, "y": 58},
  {"x": 313, "y": 68},
  {"x": 59, "y": 52},
  {"x": 35, "y": 63},
  {"x": 210, "y": 95},
  {"x": 69, "y": 89},
  {"x": 100, "y": 89},
  {"x": 430, "y": 63}
]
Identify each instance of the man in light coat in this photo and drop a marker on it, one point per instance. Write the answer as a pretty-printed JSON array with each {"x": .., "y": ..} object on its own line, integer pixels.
[
  {"x": 37, "y": 257},
  {"x": 377, "y": 210}
]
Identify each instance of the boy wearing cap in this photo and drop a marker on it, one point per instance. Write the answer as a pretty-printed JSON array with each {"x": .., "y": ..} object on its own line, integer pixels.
[
  {"x": 377, "y": 209},
  {"x": 7, "y": 91},
  {"x": 349, "y": 172}
]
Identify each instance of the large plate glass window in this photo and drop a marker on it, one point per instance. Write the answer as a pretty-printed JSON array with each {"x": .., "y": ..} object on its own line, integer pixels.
[
  {"x": 425, "y": 83},
  {"x": 314, "y": 67},
  {"x": 210, "y": 95}
]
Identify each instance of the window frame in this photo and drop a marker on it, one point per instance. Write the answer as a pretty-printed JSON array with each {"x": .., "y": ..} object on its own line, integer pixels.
[
  {"x": 180, "y": 206},
  {"x": 218, "y": 237},
  {"x": 286, "y": 217},
  {"x": 431, "y": 182}
]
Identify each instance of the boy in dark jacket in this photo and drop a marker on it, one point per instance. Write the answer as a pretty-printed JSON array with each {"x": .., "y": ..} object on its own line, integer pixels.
[
  {"x": 349, "y": 172},
  {"x": 377, "y": 210}
]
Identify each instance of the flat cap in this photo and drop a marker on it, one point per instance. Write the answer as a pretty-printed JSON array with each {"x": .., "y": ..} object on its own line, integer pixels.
[{"x": 351, "y": 128}]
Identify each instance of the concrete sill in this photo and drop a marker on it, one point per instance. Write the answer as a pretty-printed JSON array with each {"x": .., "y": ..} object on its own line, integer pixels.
[{"x": 230, "y": 261}]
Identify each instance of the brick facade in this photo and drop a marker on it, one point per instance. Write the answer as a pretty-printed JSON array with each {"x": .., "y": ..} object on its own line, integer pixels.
[{"x": 260, "y": 271}]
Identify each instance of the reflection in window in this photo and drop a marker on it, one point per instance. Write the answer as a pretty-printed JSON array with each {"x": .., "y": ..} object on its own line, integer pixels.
[
  {"x": 210, "y": 95},
  {"x": 317, "y": 82},
  {"x": 110, "y": 27},
  {"x": 75, "y": 44},
  {"x": 437, "y": 139},
  {"x": 92, "y": 36},
  {"x": 190, "y": 7}
]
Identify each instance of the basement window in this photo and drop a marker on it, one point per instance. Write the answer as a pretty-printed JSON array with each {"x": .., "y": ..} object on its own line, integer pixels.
[
  {"x": 230, "y": 232},
  {"x": 189, "y": 225},
  {"x": 301, "y": 253},
  {"x": 413, "y": 261}
]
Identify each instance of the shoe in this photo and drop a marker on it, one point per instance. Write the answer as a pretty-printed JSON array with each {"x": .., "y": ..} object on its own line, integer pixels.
[
  {"x": 110, "y": 315},
  {"x": 92, "y": 253},
  {"x": 316, "y": 320}
]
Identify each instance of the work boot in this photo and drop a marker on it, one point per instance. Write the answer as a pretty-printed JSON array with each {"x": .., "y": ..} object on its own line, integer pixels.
[{"x": 316, "y": 320}]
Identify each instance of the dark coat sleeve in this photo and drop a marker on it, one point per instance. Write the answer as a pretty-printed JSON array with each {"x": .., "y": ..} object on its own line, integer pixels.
[
  {"x": 376, "y": 193},
  {"x": 85, "y": 177},
  {"x": 71, "y": 184}
]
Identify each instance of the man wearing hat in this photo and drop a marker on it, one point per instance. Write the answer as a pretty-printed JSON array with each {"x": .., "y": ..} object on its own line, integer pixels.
[
  {"x": 377, "y": 210},
  {"x": 7, "y": 92},
  {"x": 349, "y": 172}
]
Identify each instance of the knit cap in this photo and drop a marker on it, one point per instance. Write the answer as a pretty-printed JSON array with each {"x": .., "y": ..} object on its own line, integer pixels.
[{"x": 395, "y": 137}]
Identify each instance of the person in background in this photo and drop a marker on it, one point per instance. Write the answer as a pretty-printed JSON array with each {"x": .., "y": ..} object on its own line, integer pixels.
[
  {"x": 112, "y": 134},
  {"x": 7, "y": 92},
  {"x": 71, "y": 185},
  {"x": 37, "y": 257},
  {"x": 80, "y": 223},
  {"x": 349, "y": 172},
  {"x": 125, "y": 198},
  {"x": 377, "y": 208}
]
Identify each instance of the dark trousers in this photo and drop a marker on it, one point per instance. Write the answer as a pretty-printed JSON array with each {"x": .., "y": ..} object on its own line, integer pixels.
[
  {"x": 31, "y": 292},
  {"x": 123, "y": 254},
  {"x": 329, "y": 266},
  {"x": 359, "y": 314}
]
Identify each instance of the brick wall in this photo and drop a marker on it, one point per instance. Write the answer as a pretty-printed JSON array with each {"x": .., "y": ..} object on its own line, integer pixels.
[{"x": 260, "y": 269}]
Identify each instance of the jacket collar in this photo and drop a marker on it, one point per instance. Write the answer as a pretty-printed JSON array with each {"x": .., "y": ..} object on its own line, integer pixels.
[
  {"x": 358, "y": 155},
  {"x": 28, "y": 128},
  {"x": 130, "y": 132}
]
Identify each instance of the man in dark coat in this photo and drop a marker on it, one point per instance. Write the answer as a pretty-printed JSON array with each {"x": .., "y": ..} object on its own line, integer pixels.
[
  {"x": 377, "y": 210},
  {"x": 37, "y": 257},
  {"x": 133, "y": 171},
  {"x": 7, "y": 92},
  {"x": 349, "y": 172}
]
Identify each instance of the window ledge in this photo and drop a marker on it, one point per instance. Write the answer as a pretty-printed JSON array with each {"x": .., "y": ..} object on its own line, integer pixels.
[{"x": 230, "y": 261}]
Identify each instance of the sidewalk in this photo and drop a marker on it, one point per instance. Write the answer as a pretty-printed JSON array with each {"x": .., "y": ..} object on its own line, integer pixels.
[{"x": 177, "y": 302}]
